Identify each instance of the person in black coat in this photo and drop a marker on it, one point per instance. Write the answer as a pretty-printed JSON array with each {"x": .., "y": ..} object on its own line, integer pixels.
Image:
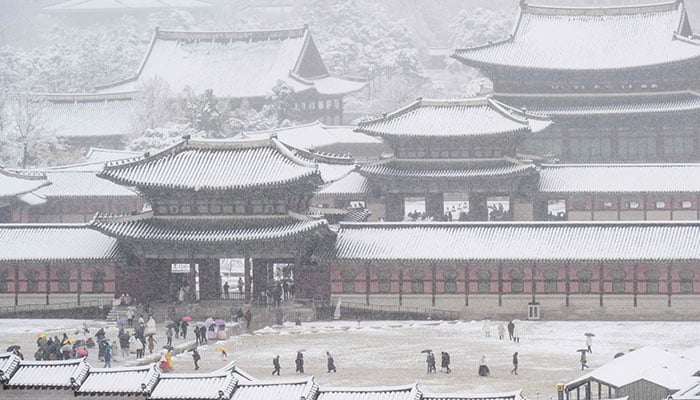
[
  {"x": 196, "y": 357},
  {"x": 331, "y": 362},
  {"x": 276, "y": 365},
  {"x": 300, "y": 362},
  {"x": 515, "y": 364},
  {"x": 511, "y": 329},
  {"x": 445, "y": 362}
]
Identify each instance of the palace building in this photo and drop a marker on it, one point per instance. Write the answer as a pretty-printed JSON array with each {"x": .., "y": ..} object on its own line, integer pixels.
[{"x": 618, "y": 82}]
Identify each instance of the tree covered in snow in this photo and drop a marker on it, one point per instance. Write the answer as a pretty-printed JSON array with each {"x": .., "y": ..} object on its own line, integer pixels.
[
  {"x": 205, "y": 114},
  {"x": 480, "y": 26},
  {"x": 155, "y": 139},
  {"x": 154, "y": 106}
]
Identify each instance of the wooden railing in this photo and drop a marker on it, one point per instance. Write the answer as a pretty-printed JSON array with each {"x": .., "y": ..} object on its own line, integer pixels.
[
  {"x": 23, "y": 308},
  {"x": 399, "y": 312}
]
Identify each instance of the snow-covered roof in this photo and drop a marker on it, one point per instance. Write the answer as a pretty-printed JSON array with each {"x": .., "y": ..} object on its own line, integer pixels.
[
  {"x": 13, "y": 183},
  {"x": 86, "y": 115},
  {"x": 606, "y": 104},
  {"x": 620, "y": 178},
  {"x": 257, "y": 59},
  {"x": 8, "y": 365},
  {"x": 596, "y": 38},
  {"x": 98, "y": 154},
  {"x": 454, "y": 118},
  {"x": 353, "y": 184},
  {"x": 215, "y": 165},
  {"x": 119, "y": 381},
  {"x": 409, "y": 392},
  {"x": 512, "y": 241},
  {"x": 201, "y": 230},
  {"x": 278, "y": 390},
  {"x": 55, "y": 242},
  {"x": 83, "y": 6},
  {"x": 648, "y": 363},
  {"x": 516, "y": 395},
  {"x": 430, "y": 169},
  {"x": 65, "y": 374},
  {"x": 691, "y": 392},
  {"x": 80, "y": 184},
  {"x": 212, "y": 386},
  {"x": 238, "y": 373}
]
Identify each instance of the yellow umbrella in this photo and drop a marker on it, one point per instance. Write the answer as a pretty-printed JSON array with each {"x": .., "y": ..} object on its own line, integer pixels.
[
  {"x": 42, "y": 335},
  {"x": 70, "y": 340},
  {"x": 222, "y": 349}
]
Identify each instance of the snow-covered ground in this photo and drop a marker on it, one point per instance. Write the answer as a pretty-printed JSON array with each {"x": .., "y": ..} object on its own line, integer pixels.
[{"x": 381, "y": 353}]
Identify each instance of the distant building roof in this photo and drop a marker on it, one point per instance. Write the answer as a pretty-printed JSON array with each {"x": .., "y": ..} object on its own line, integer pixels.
[
  {"x": 13, "y": 183},
  {"x": 453, "y": 118},
  {"x": 91, "y": 6},
  {"x": 77, "y": 115},
  {"x": 595, "y": 38},
  {"x": 531, "y": 241},
  {"x": 258, "y": 60},
  {"x": 214, "y": 165},
  {"x": 606, "y": 104},
  {"x": 119, "y": 381},
  {"x": 353, "y": 184},
  {"x": 96, "y": 158},
  {"x": 55, "y": 242},
  {"x": 80, "y": 184},
  {"x": 375, "y": 393},
  {"x": 416, "y": 168},
  {"x": 648, "y": 363},
  {"x": 620, "y": 178},
  {"x": 64, "y": 374}
]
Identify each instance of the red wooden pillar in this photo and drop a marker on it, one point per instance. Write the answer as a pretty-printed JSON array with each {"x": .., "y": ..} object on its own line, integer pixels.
[{"x": 248, "y": 278}]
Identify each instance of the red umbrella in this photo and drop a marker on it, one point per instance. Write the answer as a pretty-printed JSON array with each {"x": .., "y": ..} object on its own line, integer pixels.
[
  {"x": 187, "y": 318},
  {"x": 82, "y": 352}
]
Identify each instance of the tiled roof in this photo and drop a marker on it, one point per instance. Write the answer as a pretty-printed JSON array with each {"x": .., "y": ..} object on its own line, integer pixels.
[
  {"x": 197, "y": 229},
  {"x": 239, "y": 374},
  {"x": 277, "y": 390},
  {"x": 55, "y": 242},
  {"x": 620, "y": 178},
  {"x": 80, "y": 6},
  {"x": 258, "y": 60},
  {"x": 86, "y": 115},
  {"x": 629, "y": 103},
  {"x": 567, "y": 38},
  {"x": 15, "y": 183},
  {"x": 81, "y": 184},
  {"x": 350, "y": 185},
  {"x": 8, "y": 365},
  {"x": 516, "y": 395},
  {"x": 535, "y": 241},
  {"x": 404, "y": 169},
  {"x": 98, "y": 154},
  {"x": 214, "y": 165},
  {"x": 378, "y": 393},
  {"x": 66, "y": 374},
  {"x": 453, "y": 118},
  {"x": 119, "y": 381},
  {"x": 214, "y": 386}
]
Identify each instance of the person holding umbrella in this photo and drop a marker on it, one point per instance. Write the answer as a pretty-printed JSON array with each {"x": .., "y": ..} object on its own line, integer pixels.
[{"x": 589, "y": 341}]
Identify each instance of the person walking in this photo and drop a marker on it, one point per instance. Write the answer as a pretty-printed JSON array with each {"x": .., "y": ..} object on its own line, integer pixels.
[
  {"x": 152, "y": 343},
  {"x": 240, "y": 286},
  {"x": 276, "y": 365},
  {"x": 183, "y": 329},
  {"x": 331, "y": 362},
  {"x": 299, "y": 362},
  {"x": 141, "y": 349},
  {"x": 501, "y": 331},
  {"x": 108, "y": 355},
  {"x": 589, "y": 343},
  {"x": 516, "y": 333},
  {"x": 196, "y": 357},
  {"x": 227, "y": 295},
  {"x": 511, "y": 329},
  {"x": 515, "y": 364},
  {"x": 483, "y": 368},
  {"x": 169, "y": 335},
  {"x": 445, "y": 362},
  {"x": 248, "y": 317},
  {"x": 584, "y": 361}
]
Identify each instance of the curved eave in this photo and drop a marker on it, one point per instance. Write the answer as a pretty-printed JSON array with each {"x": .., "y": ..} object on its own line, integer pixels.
[
  {"x": 390, "y": 172},
  {"x": 428, "y": 136}
]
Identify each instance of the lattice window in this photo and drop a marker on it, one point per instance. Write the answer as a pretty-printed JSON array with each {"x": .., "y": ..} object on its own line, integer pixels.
[
  {"x": 450, "y": 277},
  {"x": 618, "y": 281},
  {"x": 348, "y": 278},
  {"x": 687, "y": 277},
  {"x": 32, "y": 277},
  {"x": 384, "y": 277},
  {"x": 417, "y": 281},
  {"x": 98, "y": 282},
  {"x": 516, "y": 281},
  {"x": 63, "y": 281},
  {"x": 652, "y": 281},
  {"x": 551, "y": 277},
  {"x": 584, "y": 281},
  {"x": 483, "y": 278},
  {"x": 4, "y": 278}
]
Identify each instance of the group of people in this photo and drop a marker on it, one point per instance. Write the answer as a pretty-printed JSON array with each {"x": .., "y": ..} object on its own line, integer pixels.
[
  {"x": 513, "y": 330},
  {"x": 444, "y": 362},
  {"x": 299, "y": 363},
  {"x": 57, "y": 348},
  {"x": 239, "y": 317}
]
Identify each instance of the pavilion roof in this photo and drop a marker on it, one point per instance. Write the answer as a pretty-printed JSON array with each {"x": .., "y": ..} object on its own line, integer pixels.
[
  {"x": 408, "y": 392},
  {"x": 606, "y": 104},
  {"x": 279, "y": 390},
  {"x": 587, "y": 39},
  {"x": 451, "y": 169},
  {"x": 476, "y": 117},
  {"x": 64, "y": 374},
  {"x": 55, "y": 242},
  {"x": 511, "y": 241},
  {"x": 14, "y": 183},
  {"x": 119, "y": 381},
  {"x": 208, "y": 229},
  {"x": 620, "y": 178},
  {"x": 258, "y": 60},
  {"x": 214, "y": 165},
  {"x": 85, "y": 6}
]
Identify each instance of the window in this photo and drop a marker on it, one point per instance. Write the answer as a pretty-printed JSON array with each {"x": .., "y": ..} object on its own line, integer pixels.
[
  {"x": 4, "y": 278},
  {"x": 516, "y": 280},
  {"x": 632, "y": 205},
  {"x": 483, "y": 277},
  {"x": 584, "y": 281},
  {"x": 678, "y": 146},
  {"x": 550, "y": 280},
  {"x": 348, "y": 278},
  {"x": 63, "y": 281},
  {"x": 384, "y": 277},
  {"x": 541, "y": 146},
  {"x": 618, "y": 281},
  {"x": 98, "y": 282},
  {"x": 32, "y": 281},
  {"x": 686, "y": 204},
  {"x": 687, "y": 277},
  {"x": 450, "y": 277},
  {"x": 652, "y": 280},
  {"x": 659, "y": 204},
  {"x": 637, "y": 148},
  {"x": 417, "y": 281},
  {"x": 590, "y": 149}
]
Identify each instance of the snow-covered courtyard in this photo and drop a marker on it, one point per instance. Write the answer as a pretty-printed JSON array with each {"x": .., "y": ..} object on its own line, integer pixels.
[{"x": 383, "y": 353}]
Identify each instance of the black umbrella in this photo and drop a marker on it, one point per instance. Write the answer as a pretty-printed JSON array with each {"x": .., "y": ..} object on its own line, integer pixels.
[
  {"x": 618, "y": 355},
  {"x": 589, "y": 334},
  {"x": 168, "y": 347},
  {"x": 582, "y": 350},
  {"x": 426, "y": 351},
  {"x": 13, "y": 348},
  {"x": 170, "y": 325}
]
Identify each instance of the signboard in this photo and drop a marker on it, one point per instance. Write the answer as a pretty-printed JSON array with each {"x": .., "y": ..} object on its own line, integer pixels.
[{"x": 180, "y": 268}]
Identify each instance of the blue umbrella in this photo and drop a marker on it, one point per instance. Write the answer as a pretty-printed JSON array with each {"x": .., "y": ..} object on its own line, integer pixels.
[{"x": 121, "y": 321}]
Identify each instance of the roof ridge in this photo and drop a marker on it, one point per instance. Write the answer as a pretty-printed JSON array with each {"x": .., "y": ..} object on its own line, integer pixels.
[
  {"x": 543, "y": 9},
  {"x": 603, "y": 165},
  {"x": 514, "y": 224},
  {"x": 84, "y": 97},
  {"x": 262, "y": 34}
]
